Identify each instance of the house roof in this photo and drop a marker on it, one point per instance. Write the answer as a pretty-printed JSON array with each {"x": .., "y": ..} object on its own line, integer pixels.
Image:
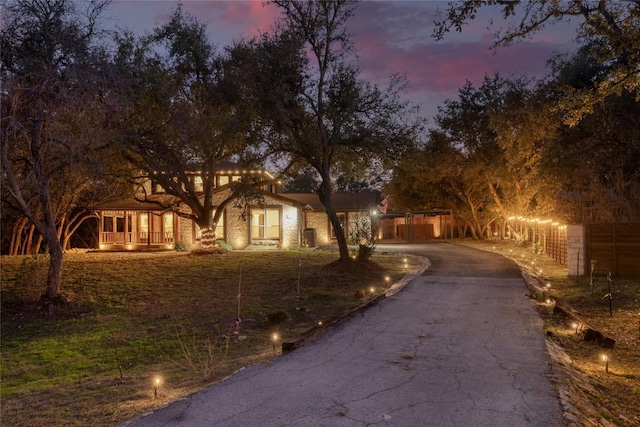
[
  {"x": 341, "y": 201},
  {"x": 131, "y": 204}
]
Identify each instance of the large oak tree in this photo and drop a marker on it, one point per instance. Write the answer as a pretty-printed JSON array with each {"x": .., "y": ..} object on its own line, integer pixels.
[
  {"x": 57, "y": 102},
  {"x": 313, "y": 107},
  {"x": 183, "y": 120}
]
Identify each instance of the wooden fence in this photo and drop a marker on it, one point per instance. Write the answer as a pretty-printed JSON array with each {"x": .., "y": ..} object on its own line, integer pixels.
[{"x": 613, "y": 248}]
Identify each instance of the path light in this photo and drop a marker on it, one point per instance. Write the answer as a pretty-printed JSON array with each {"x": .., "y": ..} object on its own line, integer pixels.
[
  {"x": 275, "y": 338},
  {"x": 548, "y": 285},
  {"x": 605, "y": 359},
  {"x": 387, "y": 278},
  {"x": 156, "y": 383},
  {"x": 575, "y": 326},
  {"x": 548, "y": 301},
  {"x": 372, "y": 289},
  {"x": 320, "y": 323}
]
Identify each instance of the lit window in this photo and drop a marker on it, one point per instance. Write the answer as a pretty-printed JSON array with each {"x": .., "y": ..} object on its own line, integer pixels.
[
  {"x": 197, "y": 183},
  {"x": 265, "y": 224}
]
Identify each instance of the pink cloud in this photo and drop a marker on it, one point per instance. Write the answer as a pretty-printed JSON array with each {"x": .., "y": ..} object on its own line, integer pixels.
[{"x": 234, "y": 19}]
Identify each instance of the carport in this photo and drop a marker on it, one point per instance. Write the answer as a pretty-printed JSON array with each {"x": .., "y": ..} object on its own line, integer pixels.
[{"x": 416, "y": 226}]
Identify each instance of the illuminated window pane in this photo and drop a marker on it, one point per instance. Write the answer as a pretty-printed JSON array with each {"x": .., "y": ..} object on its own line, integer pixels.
[{"x": 197, "y": 183}]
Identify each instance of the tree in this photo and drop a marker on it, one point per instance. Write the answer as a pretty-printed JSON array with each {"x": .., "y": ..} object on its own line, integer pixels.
[
  {"x": 314, "y": 110},
  {"x": 441, "y": 176},
  {"x": 485, "y": 159},
  {"x": 56, "y": 103},
  {"x": 183, "y": 119},
  {"x": 615, "y": 25},
  {"x": 596, "y": 162}
]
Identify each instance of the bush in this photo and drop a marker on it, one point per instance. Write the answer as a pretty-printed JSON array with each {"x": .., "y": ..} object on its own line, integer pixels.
[
  {"x": 224, "y": 245},
  {"x": 31, "y": 278},
  {"x": 180, "y": 247}
]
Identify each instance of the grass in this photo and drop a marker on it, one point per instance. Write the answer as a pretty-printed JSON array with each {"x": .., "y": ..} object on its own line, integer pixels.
[
  {"x": 135, "y": 317},
  {"x": 614, "y": 395}
]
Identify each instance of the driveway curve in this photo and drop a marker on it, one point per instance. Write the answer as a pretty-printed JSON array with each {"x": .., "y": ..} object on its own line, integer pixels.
[{"x": 460, "y": 345}]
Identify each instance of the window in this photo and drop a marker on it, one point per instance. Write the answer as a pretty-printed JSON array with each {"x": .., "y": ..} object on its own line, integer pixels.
[
  {"x": 107, "y": 224},
  {"x": 168, "y": 226},
  {"x": 197, "y": 183},
  {"x": 342, "y": 217},
  {"x": 223, "y": 179},
  {"x": 144, "y": 223},
  {"x": 265, "y": 223}
]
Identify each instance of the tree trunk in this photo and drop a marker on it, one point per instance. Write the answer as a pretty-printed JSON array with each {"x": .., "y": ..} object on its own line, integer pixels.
[
  {"x": 55, "y": 268},
  {"x": 325, "y": 196},
  {"x": 29, "y": 241},
  {"x": 16, "y": 236},
  {"x": 208, "y": 239}
]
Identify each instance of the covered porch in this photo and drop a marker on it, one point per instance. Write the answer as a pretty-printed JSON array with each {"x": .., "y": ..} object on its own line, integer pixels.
[{"x": 137, "y": 230}]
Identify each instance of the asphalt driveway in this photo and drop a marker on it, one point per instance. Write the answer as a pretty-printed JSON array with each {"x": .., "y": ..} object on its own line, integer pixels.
[{"x": 460, "y": 345}]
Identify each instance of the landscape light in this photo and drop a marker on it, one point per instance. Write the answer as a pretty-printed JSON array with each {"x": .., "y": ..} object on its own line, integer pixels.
[
  {"x": 275, "y": 338},
  {"x": 156, "y": 383},
  {"x": 605, "y": 359},
  {"x": 372, "y": 289},
  {"x": 319, "y": 322},
  {"x": 575, "y": 326}
]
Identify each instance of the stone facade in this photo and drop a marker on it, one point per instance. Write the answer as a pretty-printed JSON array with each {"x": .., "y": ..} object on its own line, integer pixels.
[{"x": 576, "y": 250}]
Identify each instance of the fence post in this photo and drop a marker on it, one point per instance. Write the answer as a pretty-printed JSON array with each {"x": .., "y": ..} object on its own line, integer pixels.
[{"x": 576, "y": 250}]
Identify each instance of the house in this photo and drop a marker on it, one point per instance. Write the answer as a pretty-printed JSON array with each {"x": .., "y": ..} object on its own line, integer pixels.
[{"x": 281, "y": 220}]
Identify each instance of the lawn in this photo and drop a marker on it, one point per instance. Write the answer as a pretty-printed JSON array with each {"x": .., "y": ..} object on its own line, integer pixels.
[
  {"x": 136, "y": 318},
  {"x": 598, "y": 396}
]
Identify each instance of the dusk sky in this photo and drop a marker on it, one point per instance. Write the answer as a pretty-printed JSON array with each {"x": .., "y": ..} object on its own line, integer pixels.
[{"x": 390, "y": 36}]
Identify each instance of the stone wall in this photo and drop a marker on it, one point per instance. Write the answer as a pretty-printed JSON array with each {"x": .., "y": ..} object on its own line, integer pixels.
[
  {"x": 320, "y": 222},
  {"x": 576, "y": 250}
]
